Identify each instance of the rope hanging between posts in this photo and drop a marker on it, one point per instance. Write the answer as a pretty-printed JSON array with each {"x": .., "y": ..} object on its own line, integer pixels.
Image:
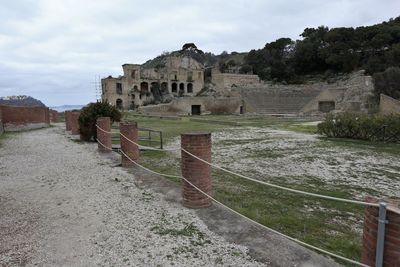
[{"x": 243, "y": 216}]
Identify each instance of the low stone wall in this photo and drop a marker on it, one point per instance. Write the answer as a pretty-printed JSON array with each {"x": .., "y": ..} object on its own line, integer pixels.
[
  {"x": 388, "y": 105},
  {"x": 1, "y": 124},
  {"x": 208, "y": 105},
  {"x": 230, "y": 80},
  {"x": 53, "y": 115},
  {"x": 17, "y": 118},
  {"x": 350, "y": 94}
]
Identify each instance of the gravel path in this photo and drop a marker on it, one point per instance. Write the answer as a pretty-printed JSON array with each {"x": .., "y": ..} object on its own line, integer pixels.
[{"x": 63, "y": 204}]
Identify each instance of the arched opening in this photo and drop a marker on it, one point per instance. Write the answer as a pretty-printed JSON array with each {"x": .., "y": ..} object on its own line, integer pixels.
[
  {"x": 181, "y": 89},
  {"x": 164, "y": 88},
  {"x": 154, "y": 87},
  {"x": 119, "y": 88},
  {"x": 118, "y": 103},
  {"x": 174, "y": 88},
  {"x": 144, "y": 87},
  {"x": 133, "y": 74},
  {"x": 190, "y": 88}
]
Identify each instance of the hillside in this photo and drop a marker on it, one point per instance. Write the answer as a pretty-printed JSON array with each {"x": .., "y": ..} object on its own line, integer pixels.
[{"x": 20, "y": 100}]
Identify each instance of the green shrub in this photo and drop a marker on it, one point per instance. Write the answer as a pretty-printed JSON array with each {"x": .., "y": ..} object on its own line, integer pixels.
[
  {"x": 361, "y": 126},
  {"x": 89, "y": 115}
]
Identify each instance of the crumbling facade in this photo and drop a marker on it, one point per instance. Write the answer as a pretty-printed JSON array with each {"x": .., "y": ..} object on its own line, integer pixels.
[{"x": 154, "y": 82}]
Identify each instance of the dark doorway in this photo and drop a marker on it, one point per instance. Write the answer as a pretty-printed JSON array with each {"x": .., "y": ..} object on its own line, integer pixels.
[
  {"x": 326, "y": 106},
  {"x": 241, "y": 110},
  {"x": 174, "y": 88},
  {"x": 196, "y": 109},
  {"x": 119, "y": 103}
]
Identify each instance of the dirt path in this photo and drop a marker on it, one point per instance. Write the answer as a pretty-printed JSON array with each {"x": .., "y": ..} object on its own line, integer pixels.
[{"x": 63, "y": 204}]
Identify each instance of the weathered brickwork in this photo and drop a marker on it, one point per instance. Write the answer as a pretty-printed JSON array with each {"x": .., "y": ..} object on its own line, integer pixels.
[
  {"x": 103, "y": 137},
  {"x": 53, "y": 115},
  {"x": 1, "y": 124},
  {"x": 67, "y": 114},
  {"x": 196, "y": 171},
  {"x": 21, "y": 118},
  {"x": 130, "y": 131},
  {"x": 391, "y": 257},
  {"x": 144, "y": 84},
  {"x": 74, "y": 123}
]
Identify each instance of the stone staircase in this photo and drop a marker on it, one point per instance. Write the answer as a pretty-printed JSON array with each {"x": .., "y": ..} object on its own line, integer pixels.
[{"x": 278, "y": 101}]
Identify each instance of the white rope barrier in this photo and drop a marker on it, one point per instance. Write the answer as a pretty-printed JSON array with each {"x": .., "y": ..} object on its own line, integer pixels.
[
  {"x": 106, "y": 147},
  {"x": 143, "y": 167},
  {"x": 247, "y": 218},
  {"x": 252, "y": 179},
  {"x": 104, "y": 131},
  {"x": 282, "y": 187},
  {"x": 148, "y": 147}
]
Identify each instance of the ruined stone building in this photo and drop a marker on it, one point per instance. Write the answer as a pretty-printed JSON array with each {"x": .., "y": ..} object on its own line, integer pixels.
[
  {"x": 174, "y": 84},
  {"x": 157, "y": 81}
]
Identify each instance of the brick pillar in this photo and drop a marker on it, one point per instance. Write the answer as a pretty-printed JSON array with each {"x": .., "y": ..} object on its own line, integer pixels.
[
  {"x": 130, "y": 130},
  {"x": 196, "y": 171},
  {"x": 74, "y": 123},
  {"x": 67, "y": 120},
  {"x": 47, "y": 115},
  {"x": 53, "y": 116},
  {"x": 391, "y": 255},
  {"x": 103, "y": 137}
]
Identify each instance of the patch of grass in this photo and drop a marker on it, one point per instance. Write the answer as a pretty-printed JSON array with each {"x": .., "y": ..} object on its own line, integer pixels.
[
  {"x": 361, "y": 146},
  {"x": 288, "y": 213},
  {"x": 5, "y": 136},
  {"x": 331, "y": 225}
]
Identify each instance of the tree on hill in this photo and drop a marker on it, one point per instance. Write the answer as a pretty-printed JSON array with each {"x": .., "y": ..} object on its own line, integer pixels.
[{"x": 337, "y": 50}]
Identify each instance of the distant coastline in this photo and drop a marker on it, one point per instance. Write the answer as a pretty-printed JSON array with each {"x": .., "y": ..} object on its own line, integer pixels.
[{"x": 67, "y": 107}]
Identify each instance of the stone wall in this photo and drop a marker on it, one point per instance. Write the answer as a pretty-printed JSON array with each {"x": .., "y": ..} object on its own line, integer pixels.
[
  {"x": 351, "y": 94},
  {"x": 16, "y": 118},
  {"x": 1, "y": 123},
  {"x": 230, "y": 80},
  {"x": 208, "y": 105},
  {"x": 388, "y": 105}
]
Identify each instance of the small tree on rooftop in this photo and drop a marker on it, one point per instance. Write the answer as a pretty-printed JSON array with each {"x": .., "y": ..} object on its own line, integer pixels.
[{"x": 89, "y": 115}]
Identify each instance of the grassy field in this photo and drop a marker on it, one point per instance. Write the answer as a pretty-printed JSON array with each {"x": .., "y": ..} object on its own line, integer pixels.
[{"x": 288, "y": 153}]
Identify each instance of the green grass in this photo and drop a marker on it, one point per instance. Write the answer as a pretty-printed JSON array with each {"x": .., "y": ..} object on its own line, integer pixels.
[
  {"x": 361, "y": 145},
  {"x": 4, "y": 136},
  {"x": 326, "y": 224},
  {"x": 172, "y": 128}
]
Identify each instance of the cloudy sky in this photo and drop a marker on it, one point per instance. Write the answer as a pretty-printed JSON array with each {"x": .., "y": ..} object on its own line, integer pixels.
[{"x": 53, "y": 50}]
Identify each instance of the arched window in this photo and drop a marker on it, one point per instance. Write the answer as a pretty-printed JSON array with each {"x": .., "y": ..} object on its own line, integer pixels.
[
  {"x": 181, "y": 87},
  {"x": 174, "y": 88},
  {"x": 164, "y": 88},
  {"x": 190, "y": 88}
]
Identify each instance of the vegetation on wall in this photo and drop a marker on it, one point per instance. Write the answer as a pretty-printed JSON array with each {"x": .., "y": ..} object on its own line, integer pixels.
[
  {"x": 362, "y": 126},
  {"x": 388, "y": 82},
  {"x": 89, "y": 115}
]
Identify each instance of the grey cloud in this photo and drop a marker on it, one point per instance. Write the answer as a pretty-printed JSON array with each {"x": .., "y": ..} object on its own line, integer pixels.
[{"x": 53, "y": 49}]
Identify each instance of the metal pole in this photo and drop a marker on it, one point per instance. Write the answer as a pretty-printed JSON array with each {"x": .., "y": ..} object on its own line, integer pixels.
[
  {"x": 161, "y": 140},
  {"x": 149, "y": 138},
  {"x": 380, "y": 242}
]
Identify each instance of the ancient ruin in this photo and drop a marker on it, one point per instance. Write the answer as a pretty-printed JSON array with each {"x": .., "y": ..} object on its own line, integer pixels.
[{"x": 175, "y": 84}]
